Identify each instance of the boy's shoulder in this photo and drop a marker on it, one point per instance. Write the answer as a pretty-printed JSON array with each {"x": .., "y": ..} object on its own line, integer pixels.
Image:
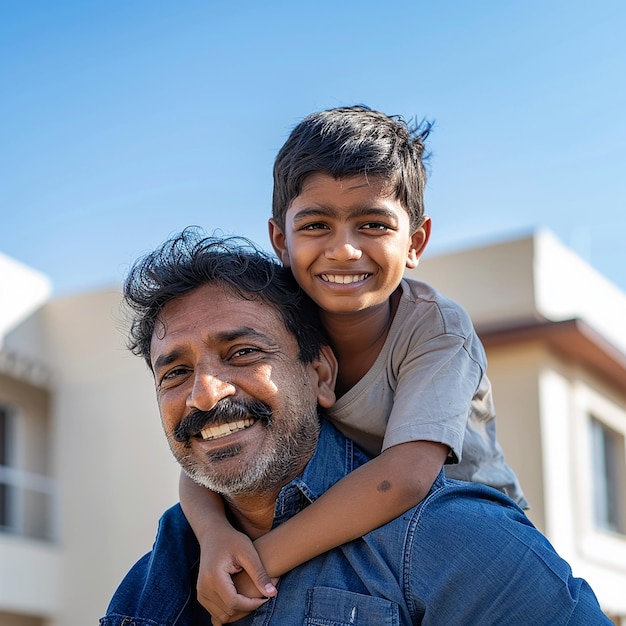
[
  {"x": 419, "y": 291},
  {"x": 422, "y": 301}
]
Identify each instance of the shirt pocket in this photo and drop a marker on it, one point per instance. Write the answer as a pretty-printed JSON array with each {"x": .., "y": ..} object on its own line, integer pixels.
[{"x": 337, "y": 607}]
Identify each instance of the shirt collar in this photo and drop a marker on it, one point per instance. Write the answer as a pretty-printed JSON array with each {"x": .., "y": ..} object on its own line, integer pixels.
[{"x": 335, "y": 456}]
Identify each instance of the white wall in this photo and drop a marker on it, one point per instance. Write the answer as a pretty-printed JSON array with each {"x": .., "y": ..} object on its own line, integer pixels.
[{"x": 22, "y": 291}]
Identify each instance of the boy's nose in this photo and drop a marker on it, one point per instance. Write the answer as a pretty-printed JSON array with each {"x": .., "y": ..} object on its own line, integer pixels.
[
  {"x": 208, "y": 390},
  {"x": 343, "y": 248}
]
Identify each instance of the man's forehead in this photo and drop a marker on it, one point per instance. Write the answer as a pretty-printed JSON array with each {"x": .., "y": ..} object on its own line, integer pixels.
[{"x": 219, "y": 312}]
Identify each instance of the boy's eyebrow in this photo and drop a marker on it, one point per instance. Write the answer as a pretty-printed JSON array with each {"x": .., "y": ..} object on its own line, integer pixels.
[
  {"x": 364, "y": 211},
  {"x": 245, "y": 332},
  {"x": 317, "y": 211},
  {"x": 375, "y": 211}
]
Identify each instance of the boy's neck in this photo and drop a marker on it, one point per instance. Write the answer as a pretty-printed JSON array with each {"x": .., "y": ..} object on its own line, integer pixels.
[{"x": 358, "y": 338}]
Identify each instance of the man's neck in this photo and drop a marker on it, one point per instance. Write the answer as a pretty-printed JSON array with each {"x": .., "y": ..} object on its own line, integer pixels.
[{"x": 253, "y": 514}]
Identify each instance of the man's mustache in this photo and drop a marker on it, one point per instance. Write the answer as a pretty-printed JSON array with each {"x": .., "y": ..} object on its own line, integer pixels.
[{"x": 225, "y": 411}]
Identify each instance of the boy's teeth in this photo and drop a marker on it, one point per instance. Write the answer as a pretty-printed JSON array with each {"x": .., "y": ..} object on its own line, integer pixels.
[
  {"x": 215, "y": 432},
  {"x": 340, "y": 278}
]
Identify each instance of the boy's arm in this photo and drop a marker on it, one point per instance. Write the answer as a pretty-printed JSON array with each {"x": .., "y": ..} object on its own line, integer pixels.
[
  {"x": 367, "y": 498},
  {"x": 223, "y": 553}
]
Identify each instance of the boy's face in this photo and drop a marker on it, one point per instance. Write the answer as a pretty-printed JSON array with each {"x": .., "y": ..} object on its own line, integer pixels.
[{"x": 348, "y": 241}]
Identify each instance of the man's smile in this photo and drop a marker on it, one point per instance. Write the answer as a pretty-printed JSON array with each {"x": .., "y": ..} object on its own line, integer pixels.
[
  {"x": 227, "y": 417},
  {"x": 222, "y": 430}
]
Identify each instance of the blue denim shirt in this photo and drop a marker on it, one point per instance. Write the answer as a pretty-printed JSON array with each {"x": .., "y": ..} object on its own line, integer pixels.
[{"x": 467, "y": 554}]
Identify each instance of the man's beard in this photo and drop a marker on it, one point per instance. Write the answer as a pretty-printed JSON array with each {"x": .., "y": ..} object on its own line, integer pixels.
[{"x": 290, "y": 444}]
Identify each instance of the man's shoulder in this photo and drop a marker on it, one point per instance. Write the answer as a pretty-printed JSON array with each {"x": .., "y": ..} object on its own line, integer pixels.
[{"x": 335, "y": 456}]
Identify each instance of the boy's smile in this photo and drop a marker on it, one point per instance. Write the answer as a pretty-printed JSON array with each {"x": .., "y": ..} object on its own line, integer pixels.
[{"x": 348, "y": 241}]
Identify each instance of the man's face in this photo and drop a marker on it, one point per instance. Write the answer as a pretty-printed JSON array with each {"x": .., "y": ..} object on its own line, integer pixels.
[{"x": 238, "y": 408}]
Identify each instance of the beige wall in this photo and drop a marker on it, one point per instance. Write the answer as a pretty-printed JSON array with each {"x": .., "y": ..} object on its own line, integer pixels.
[
  {"x": 12, "y": 619},
  {"x": 112, "y": 458},
  {"x": 495, "y": 284},
  {"x": 513, "y": 375}
]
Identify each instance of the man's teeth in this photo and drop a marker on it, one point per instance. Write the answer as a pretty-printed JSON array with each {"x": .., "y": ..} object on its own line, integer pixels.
[
  {"x": 343, "y": 279},
  {"x": 215, "y": 432}
]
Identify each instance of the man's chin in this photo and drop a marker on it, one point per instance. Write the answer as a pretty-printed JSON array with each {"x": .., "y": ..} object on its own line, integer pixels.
[
  {"x": 225, "y": 471},
  {"x": 223, "y": 453}
]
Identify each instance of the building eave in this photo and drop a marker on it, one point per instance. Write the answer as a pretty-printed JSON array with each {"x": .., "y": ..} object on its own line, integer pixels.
[
  {"x": 25, "y": 370},
  {"x": 574, "y": 339}
]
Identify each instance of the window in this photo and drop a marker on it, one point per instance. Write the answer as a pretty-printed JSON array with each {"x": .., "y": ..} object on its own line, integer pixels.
[
  {"x": 609, "y": 477},
  {"x": 5, "y": 451},
  {"x": 28, "y": 499}
]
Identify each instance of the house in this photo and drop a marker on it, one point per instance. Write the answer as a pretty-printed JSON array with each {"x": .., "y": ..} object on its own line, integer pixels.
[
  {"x": 555, "y": 335},
  {"x": 85, "y": 470}
]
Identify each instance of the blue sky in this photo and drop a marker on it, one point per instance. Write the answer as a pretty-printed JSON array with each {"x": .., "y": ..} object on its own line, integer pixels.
[{"x": 121, "y": 122}]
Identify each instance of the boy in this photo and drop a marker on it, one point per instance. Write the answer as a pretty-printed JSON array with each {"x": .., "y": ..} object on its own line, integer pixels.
[{"x": 348, "y": 219}]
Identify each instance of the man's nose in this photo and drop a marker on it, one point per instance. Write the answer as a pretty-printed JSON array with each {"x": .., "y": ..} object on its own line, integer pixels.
[
  {"x": 208, "y": 390},
  {"x": 343, "y": 246}
]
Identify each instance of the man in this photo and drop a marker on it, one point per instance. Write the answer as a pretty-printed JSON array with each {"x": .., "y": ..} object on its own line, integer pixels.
[{"x": 241, "y": 369}]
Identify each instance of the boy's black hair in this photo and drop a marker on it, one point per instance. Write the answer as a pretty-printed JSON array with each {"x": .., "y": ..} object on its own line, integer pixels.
[
  {"x": 190, "y": 260},
  {"x": 348, "y": 141}
]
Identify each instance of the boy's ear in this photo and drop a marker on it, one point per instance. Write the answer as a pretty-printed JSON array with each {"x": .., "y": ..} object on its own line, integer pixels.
[
  {"x": 278, "y": 241},
  {"x": 419, "y": 240},
  {"x": 325, "y": 366}
]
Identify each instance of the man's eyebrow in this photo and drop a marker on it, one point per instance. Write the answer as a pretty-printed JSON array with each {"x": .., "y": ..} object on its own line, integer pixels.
[
  {"x": 245, "y": 332},
  {"x": 163, "y": 360}
]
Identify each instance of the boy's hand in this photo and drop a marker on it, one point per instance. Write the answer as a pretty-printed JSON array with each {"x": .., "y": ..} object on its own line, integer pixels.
[
  {"x": 246, "y": 589},
  {"x": 227, "y": 553}
]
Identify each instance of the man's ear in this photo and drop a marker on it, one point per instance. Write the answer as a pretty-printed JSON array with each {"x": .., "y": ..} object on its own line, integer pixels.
[
  {"x": 278, "y": 241},
  {"x": 419, "y": 240},
  {"x": 325, "y": 366}
]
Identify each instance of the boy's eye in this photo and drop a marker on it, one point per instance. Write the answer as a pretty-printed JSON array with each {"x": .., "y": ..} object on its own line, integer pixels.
[
  {"x": 375, "y": 226},
  {"x": 314, "y": 226}
]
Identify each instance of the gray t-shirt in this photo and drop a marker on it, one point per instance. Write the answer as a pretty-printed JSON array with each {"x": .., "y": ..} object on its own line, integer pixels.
[{"x": 429, "y": 384}]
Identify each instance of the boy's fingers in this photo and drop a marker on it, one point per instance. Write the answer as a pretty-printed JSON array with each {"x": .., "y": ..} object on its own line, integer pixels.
[
  {"x": 259, "y": 576},
  {"x": 226, "y": 607},
  {"x": 244, "y": 606},
  {"x": 263, "y": 582}
]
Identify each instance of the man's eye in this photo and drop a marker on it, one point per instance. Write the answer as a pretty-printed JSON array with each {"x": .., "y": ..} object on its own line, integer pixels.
[
  {"x": 245, "y": 356},
  {"x": 172, "y": 374},
  {"x": 244, "y": 351}
]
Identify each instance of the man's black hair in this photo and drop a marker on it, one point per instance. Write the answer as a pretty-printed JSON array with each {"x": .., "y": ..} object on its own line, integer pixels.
[{"x": 190, "y": 260}]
